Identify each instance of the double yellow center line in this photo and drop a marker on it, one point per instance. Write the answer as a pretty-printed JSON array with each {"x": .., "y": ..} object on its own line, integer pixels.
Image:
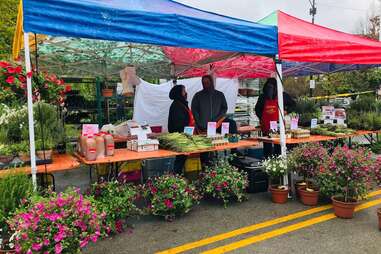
[{"x": 265, "y": 224}]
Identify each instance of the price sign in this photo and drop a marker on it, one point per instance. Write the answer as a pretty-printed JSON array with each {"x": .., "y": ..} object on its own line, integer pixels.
[
  {"x": 314, "y": 122},
  {"x": 189, "y": 130},
  {"x": 294, "y": 123},
  {"x": 90, "y": 129},
  {"x": 274, "y": 125},
  {"x": 212, "y": 126},
  {"x": 224, "y": 129}
]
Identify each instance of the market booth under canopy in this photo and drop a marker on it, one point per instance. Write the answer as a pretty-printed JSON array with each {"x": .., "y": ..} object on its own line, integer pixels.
[{"x": 158, "y": 22}]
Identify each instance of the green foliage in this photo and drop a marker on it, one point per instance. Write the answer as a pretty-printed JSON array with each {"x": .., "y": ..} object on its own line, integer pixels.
[
  {"x": 224, "y": 182},
  {"x": 376, "y": 147},
  {"x": 365, "y": 114},
  {"x": 8, "y": 17},
  {"x": 307, "y": 110},
  {"x": 117, "y": 201},
  {"x": 13, "y": 189}
]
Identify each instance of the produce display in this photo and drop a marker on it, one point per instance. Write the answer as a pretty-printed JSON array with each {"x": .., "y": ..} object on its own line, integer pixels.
[
  {"x": 300, "y": 133},
  {"x": 332, "y": 130},
  {"x": 181, "y": 142}
]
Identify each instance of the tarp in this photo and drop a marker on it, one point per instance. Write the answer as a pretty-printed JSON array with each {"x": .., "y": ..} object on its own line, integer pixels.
[
  {"x": 304, "y": 49},
  {"x": 158, "y": 22},
  {"x": 151, "y": 104}
]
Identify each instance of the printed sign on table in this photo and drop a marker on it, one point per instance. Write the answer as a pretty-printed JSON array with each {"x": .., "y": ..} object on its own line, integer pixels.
[
  {"x": 212, "y": 126},
  {"x": 314, "y": 122},
  {"x": 294, "y": 123},
  {"x": 189, "y": 130},
  {"x": 274, "y": 125},
  {"x": 224, "y": 129}
]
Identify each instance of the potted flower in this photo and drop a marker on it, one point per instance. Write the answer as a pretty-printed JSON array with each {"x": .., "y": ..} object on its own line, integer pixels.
[
  {"x": 377, "y": 173},
  {"x": 107, "y": 91},
  {"x": 14, "y": 188},
  {"x": 60, "y": 223},
  {"x": 276, "y": 168},
  {"x": 44, "y": 149},
  {"x": 351, "y": 171},
  {"x": 6, "y": 154},
  {"x": 170, "y": 196},
  {"x": 224, "y": 182},
  {"x": 306, "y": 160},
  {"x": 117, "y": 201}
]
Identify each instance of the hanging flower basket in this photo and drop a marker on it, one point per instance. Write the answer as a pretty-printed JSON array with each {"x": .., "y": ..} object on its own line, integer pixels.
[{"x": 106, "y": 92}]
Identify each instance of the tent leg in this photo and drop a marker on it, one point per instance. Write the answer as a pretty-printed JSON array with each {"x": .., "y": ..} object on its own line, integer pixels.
[
  {"x": 30, "y": 112},
  {"x": 282, "y": 127}
]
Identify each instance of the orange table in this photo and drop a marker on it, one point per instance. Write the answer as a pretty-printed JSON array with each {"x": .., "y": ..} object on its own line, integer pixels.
[
  {"x": 61, "y": 162},
  {"x": 314, "y": 138},
  {"x": 127, "y": 155}
]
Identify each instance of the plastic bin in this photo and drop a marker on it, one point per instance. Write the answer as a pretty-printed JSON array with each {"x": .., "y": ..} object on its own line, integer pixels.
[
  {"x": 130, "y": 166},
  {"x": 192, "y": 164},
  {"x": 157, "y": 167}
]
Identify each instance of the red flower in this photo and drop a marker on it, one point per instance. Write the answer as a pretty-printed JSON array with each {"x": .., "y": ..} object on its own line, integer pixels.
[
  {"x": 22, "y": 78},
  {"x": 18, "y": 69},
  {"x": 67, "y": 88},
  {"x": 60, "y": 82},
  {"x": 213, "y": 174},
  {"x": 10, "y": 80},
  {"x": 153, "y": 190},
  {"x": 225, "y": 184},
  {"x": 11, "y": 70},
  {"x": 29, "y": 74},
  {"x": 4, "y": 64},
  {"x": 168, "y": 203}
]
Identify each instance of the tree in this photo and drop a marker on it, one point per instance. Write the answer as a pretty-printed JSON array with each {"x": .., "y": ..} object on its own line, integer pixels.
[{"x": 8, "y": 18}]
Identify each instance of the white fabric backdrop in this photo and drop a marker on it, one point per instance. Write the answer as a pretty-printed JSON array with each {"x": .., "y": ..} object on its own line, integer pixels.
[{"x": 152, "y": 103}]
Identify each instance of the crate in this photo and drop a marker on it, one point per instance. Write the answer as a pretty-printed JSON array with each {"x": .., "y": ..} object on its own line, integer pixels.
[
  {"x": 157, "y": 167},
  {"x": 192, "y": 164},
  {"x": 130, "y": 166}
]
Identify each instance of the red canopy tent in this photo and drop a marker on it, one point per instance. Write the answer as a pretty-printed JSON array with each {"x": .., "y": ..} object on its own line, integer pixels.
[{"x": 298, "y": 41}]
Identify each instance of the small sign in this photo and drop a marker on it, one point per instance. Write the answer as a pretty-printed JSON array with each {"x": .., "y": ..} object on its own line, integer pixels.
[
  {"x": 189, "y": 130},
  {"x": 328, "y": 121},
  {"x": 140, "y": 133},
  {"x": 90, "y": 129},
  {"x": 328, "y": 112},
  {"x": 314, "y": 122},
  {"x": 312, "y": 84},
  {"x": 294, "y": 123},
  {"x": 212, "y": 126},
  {"x": 274, "y": 125},
  {"x": 340, "y": 121},
  {"x": 224, "y": 129}
]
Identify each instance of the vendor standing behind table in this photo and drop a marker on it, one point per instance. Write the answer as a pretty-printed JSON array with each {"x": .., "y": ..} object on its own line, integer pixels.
[
  {"x": 209, "y": 105},
  {"x": 179, "y": 117},
  {"x": 267, "y": 110}
]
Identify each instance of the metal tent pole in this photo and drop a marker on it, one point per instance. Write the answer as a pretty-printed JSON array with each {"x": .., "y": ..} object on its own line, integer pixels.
[
  {"x": 282, "y": 127},
  {"x": 30, "y": 111}
]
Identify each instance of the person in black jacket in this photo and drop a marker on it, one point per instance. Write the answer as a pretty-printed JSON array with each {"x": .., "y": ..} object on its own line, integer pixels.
[
  {"x": 179, "y": 117},
  {"x": 267, "y": 110}
]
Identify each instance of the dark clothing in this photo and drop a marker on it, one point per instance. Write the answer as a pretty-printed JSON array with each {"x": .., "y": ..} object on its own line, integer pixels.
[
  {"x": 288, "y": 101},
  {"x": 208, "y": 106},
  {"x": 178, "y": 117}
]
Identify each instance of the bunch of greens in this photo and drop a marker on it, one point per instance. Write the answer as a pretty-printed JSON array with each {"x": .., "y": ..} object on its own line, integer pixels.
[
  {"x": 331, "y": 130},
  {"x": 181, "y": 142}
]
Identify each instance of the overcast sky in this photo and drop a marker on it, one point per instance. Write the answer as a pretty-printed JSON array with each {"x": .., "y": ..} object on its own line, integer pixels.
[{"x": 343, "y": 15}]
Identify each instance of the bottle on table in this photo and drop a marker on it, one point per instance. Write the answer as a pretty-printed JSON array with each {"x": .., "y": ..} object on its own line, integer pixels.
[
  {"x": 100, "y": 145},
  {"x": 82, "y": 145},
  {"x": 110, "y": 144},
  {"x": 91, "y": 148}
]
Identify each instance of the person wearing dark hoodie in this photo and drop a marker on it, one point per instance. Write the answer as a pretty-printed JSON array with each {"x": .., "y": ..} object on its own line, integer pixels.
[
  {"x": 267, "y": 110},
  {"x": 209, "y": 105},
  {"x": 179, "y": 117}
]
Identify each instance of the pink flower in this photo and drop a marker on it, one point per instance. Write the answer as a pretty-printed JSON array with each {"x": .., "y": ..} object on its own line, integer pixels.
[
  {"x": 168, "y": 203},
  {"x": 83, "y": 243},
  {"x": 53, "y": 217},
  {"x": 4, "y": 64},
  {"x": 94, "y": 238},
  {"x": 59, "y": 236},
  {"x": 24, "y": 236},
  {"x": 10, "y": 80},
  {"x": 36, "y": 246},
  {"x": 58, "y": 248},
  {"x": 18, "y": 69},
  {"x": 17, "y": 246},
  {"x": 29, "y": 74},
  {"x": 29, "y": 252},
  {"x": 46, "y": 242},
  {"x": 60, "y": 202},
  {"x": 11, "y": 70}
]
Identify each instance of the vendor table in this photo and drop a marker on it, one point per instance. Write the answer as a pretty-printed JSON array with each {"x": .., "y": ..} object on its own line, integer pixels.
[
  {"x": 315, "y": 138},
  {"x": 123, "y": 155},
  {"x": 61, "y": 162}
]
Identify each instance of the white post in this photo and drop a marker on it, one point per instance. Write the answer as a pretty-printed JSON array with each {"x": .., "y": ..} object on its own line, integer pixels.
[
  {"x": 282, "y": 127},
  {"x": 30, "y": 111}
]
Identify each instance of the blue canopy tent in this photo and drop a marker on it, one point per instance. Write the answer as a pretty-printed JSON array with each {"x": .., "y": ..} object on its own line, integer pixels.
[{"x": 158, "y": 22}]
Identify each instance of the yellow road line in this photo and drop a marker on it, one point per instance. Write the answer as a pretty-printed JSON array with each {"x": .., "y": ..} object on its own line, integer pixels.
[
  {"x": 284, "y": 230},
  {"x": 244, "y": 230}
]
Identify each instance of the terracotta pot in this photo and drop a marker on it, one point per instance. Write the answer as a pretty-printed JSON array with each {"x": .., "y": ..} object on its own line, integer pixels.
[
  {"x": 299, "y": 185},
  {"x": 344, "y": 210},
  {"x": 278, "y": 196},
  {"x": 107, "y": 92},
  {"x": 6, "y": 158},
  {"x": 25, "y": 157},
  {"x": 48, "y": 154},
  {"x": 309, "y": 197},
  {"x": 379, "y": 218}
]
